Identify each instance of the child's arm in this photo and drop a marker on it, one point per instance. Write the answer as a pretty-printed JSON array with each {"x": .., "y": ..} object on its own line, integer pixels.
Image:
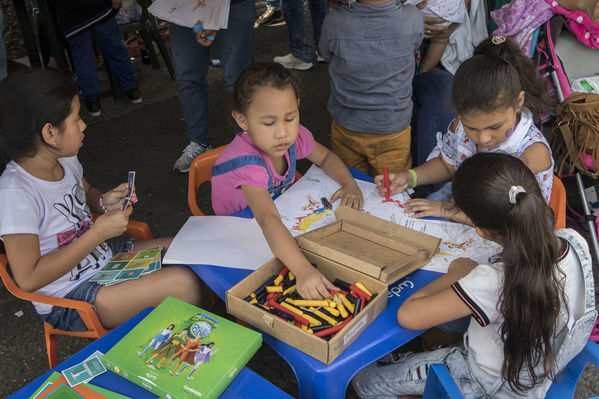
[
  {"x": 434, "y": 171},
  {"x": 33, "y": 271},
  {"x": 333, "y": 166},
  {"x": 311, "y": 284},
  {"x": 537, "y": 158},
  {"x": 437, "y": 302},
  {"x": 421, "y": 207}
]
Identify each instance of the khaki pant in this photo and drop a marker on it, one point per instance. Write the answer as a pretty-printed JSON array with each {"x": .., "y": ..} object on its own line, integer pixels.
[{"x": 369, "y": 153}]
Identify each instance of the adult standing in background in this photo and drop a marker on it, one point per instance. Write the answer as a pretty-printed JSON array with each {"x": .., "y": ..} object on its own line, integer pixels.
[
  {"x": 301, "y": 51},
  {"x": 191, "y": 55}
]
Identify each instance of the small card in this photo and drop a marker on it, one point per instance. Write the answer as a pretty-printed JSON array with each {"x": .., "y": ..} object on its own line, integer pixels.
[
  {"x": 84, "y": 371},
  {"x": 130, "y": 184}
]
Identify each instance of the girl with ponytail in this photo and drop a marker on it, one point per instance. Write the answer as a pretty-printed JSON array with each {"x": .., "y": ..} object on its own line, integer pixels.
[{"x": 531, "y": 307}]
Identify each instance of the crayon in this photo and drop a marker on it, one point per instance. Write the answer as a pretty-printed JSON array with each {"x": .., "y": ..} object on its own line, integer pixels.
[
  {"x": 323, "y": 316},
  {"x": 358, "y": 307},
  {"x": 297, "y": 317},
  {"x": 342, "y": 284},
  {"x": 386, "y": 174},
  {"x": 307, "y": 329},
  {"x": 320, "y": 328},
  {"x": 295, "y": 310},
  {"x": 340, "y": 307},
  {"x": 361, "y": 293},
  {"x": 197, "y": 28},
  {"x": 332, "y": 311},
  {"x": 291, "y": 276},
  {"x": 346, "y": 303},
  {"x": 274, "y": 288},
  {"x": 281, "y": 275},
  {"x": 364, "y": 289},
  {"x": 307, "y": 302},
  {"x": 290, "y": 290},
  {"x": 334, "y": 329}
]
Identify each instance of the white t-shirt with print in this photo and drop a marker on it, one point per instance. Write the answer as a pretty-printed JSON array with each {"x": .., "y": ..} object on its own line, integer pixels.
[
  {"x": 480, "y": 291},
  {"x": 54, "y": 211}
]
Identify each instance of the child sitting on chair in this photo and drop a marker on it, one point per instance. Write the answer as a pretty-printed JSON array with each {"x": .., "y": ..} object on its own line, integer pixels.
[
  {"x": 259, "y": 165},
  {"x": 52, "y": 245}
]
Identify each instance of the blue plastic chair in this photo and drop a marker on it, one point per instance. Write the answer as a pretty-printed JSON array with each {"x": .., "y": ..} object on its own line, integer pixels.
[{"x": 439, "y": 383}]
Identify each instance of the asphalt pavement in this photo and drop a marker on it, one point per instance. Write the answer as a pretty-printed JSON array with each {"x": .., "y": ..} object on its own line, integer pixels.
[{"x": 148, "y": 138}]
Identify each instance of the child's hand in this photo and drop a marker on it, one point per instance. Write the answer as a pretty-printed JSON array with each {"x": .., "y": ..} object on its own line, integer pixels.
[
  {"x": 350, "y": 195},
  {"x": 113, "y": 199},
  {"x": 398, "y": 183},
  {"x": 430, "y": 208},
  {"x": 112, "y": 224},
  {"x": 204, "y": 36},
  {"x": 311, "y": 284}
]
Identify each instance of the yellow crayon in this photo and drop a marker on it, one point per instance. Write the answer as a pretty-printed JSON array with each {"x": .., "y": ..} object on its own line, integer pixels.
[
  {"x": 289, "y": 300},
  {"x": 291, "y": 276},
  {"x": 271, "y": 288},
  {"x": 332, "y": 304},
  {"x": 307, "y": 329},
  {"x": 312, "y": 320},
  {"x": 254, "y": 300},
  {"x": 317, "y": 312},
  {"x": 332, "y": 311},
  {"x": 347, "y": 303},
  {"x": 307, "y": 302},
  {"x": 361, "y": 286},
  {"x": 278, "y": 280},
  {"x": 292, "y": 308},
  {"x": 289, "y": 290},
  {"x": 341, "y": 307}
]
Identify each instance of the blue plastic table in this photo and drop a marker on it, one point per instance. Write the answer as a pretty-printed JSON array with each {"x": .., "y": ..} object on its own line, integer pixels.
[
  {"x": 247, "y": 384},
  {"x": 316, "y": 379}
]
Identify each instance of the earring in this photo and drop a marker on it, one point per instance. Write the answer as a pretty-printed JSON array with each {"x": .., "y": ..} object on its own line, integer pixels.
[{"x": 54, "y": 143}]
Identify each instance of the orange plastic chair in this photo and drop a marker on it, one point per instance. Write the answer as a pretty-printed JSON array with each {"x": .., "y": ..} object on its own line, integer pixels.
[
  {"x": 200, "y": 172},
  {"x": 95, "y": 329},
  {"x": 557, "y": 202}
]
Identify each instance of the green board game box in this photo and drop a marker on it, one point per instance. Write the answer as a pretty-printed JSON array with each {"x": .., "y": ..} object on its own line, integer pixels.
[{"x": 181, "y": 351}]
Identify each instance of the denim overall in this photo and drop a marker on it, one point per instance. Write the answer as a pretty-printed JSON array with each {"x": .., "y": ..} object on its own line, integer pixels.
[{"x": 244, "y": 160}]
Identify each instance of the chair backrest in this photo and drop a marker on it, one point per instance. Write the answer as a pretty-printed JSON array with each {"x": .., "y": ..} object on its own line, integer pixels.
[
  {"x": 557, "y": 202},
  {"x": 200, "y": 172}
]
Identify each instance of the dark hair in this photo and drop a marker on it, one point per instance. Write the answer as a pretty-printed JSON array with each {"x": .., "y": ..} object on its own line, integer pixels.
[
  {"x": 28, "y": 100},
  {"x": 262, "y": 74},
  {"x": 531, "y": 294},
  {"x": 493, "y": 78}
]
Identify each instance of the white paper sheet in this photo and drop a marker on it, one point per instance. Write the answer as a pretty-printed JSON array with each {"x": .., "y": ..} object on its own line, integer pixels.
[
  {"x": 214, "y": 14},
  {"x": 221, "y": 241},
  {"x": 300, "y": 202}
]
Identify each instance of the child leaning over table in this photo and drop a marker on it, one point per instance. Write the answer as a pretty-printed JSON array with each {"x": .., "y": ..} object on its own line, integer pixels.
[
  {"x": 370, "y": 48},
  {"x": 52, "y": 245},
  {"x": 259, "y": 165}
]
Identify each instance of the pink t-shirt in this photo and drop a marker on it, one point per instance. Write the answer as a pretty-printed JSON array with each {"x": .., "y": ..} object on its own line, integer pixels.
[{"x": 227, "y": 196}]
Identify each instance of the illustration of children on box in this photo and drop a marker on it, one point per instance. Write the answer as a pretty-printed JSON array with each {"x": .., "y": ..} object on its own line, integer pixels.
[
  {"x": 169, "y": 347},
  {"x": 186, "y": 353},
  {"x": 159, "y": 339},
  {"x": 201, "y": 356}
]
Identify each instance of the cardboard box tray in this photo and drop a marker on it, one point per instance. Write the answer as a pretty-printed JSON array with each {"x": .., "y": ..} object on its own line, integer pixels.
[{"x": 358, "y": 247}]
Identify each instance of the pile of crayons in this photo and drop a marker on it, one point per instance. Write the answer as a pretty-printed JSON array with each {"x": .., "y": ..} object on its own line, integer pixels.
[{"x": 323, "y": 318}]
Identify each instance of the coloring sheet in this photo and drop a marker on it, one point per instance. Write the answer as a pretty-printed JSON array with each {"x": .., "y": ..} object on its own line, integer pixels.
[
  {"x": 302, "y": 210},
  {"x": 213, "y": 14}
]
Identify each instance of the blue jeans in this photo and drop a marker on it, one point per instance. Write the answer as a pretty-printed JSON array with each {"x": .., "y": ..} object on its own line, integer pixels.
[
  {"x": 273, "y": 3},
  {"x": 432, "y": 110},
  {"x": 108, "y": 37},
  {"x": 235, "y": 47},
  {"x": 3, "y": 72},
  {"x": 294, "y": 12}
]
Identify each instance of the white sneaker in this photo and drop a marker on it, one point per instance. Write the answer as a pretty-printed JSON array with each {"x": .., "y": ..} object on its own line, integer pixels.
[
  {"x": 290, "y": 62},
  {"x": 189, "y": 154},
  {"x": 319, "y": 58}
]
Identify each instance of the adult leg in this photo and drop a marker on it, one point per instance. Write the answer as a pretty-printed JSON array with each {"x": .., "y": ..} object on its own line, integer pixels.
[
  {"x": 272, "y": 14},
  {"x": 349, "y": 147},
  {"x": 392, "y": 150},
  {"x": 117, "y": 303},
  {"x": 109, "y": 39},
  {"x": 83, "y": 63},
  {"x": 432, "y": 110},
  {"x": 191, "y": 67},
  {"x": 235, "y": 45},
  {"x": 294, "y": 12},
  {"x": 318, "y": 10}
]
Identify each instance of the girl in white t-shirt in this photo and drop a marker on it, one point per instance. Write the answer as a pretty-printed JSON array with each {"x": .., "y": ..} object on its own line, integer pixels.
[
  {"x": 53, "y": 247},
  {"x": 531, "y": 307}
]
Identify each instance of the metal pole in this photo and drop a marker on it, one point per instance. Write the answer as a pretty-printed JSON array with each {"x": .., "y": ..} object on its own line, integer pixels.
[{"x": 588, "y": 216}]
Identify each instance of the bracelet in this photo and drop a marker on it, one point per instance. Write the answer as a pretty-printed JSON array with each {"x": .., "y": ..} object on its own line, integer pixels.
[
  {"x": 414, "y": 177},
  {"x": 102, "y": 203}
]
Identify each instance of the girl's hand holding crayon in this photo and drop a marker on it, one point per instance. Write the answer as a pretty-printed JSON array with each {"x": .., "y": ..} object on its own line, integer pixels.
[
  {"x": 113, "y": 199},
  {"x": 311, "y": 284},
  {"x": 350, "y": 195},
  {"x": 204, "y": 36},
  {"x": 398, "y": 183},
  {"x": 112, "y": 224}
]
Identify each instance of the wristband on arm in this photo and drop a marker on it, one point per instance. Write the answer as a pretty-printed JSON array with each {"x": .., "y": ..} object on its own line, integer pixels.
[{"x": 414, "y": 177}]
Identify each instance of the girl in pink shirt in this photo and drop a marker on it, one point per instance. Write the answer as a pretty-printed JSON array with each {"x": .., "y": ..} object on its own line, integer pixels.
[{"x": 259, "y": 164}]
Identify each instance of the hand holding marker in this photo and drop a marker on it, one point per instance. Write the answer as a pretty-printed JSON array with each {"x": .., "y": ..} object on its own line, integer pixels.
[{"x": 197, "y": 28}]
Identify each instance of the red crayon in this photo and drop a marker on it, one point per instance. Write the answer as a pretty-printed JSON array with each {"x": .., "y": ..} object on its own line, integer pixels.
[
  {"x": 386, "y": 173},
  {"x": 333, "y": 330},
  {"x": 297, "y": 317}
]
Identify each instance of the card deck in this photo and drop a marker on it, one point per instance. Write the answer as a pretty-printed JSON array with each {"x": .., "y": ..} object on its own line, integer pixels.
[{"x": 130, "y": 184}]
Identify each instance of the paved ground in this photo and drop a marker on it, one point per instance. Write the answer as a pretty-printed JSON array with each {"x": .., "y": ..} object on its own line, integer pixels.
[{"x": 148, "y": 138}]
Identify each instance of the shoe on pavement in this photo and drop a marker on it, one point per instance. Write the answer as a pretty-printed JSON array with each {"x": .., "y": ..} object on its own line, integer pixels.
[
  {"x": 270, "y": 16},
  {"x": 134, "y": 95},
  {"x": 189, "y": 154},
  {"x": 319, "y": 57},
  {"x": 290, "y": 62},
  {"x": 92, "y": 105}
]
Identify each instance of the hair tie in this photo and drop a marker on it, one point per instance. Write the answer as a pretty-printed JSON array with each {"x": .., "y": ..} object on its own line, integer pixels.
[
  {"x": 498, "y": 39},
  {"x": 513, "y": 193}
]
